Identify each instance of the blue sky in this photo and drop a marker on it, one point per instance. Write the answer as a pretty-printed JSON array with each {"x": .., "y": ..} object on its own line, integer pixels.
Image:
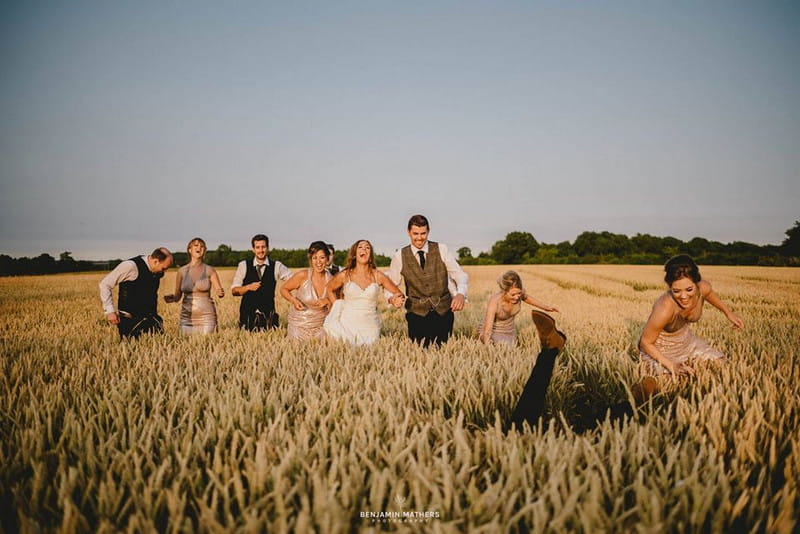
[{"x": 129, "y": 125}]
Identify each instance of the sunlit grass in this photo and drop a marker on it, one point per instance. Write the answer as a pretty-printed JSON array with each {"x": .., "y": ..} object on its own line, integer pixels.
[{"x": 256, "y": 432}]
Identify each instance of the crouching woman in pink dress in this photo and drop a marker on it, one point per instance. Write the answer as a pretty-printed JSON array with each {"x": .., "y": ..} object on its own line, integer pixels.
[{"x": 667, "y": 344}]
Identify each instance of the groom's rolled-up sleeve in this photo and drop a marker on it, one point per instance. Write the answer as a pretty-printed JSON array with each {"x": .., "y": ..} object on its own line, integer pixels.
[
  {"x": 457, "y": 279},
  {"x": 393, "y": 274}
]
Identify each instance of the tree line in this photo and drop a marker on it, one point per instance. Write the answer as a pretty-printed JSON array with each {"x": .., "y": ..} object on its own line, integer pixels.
[
  {"x": 517, "y": 248},
  {"x": 223, "y": 256},
  {"x": 607, "y": 247}
]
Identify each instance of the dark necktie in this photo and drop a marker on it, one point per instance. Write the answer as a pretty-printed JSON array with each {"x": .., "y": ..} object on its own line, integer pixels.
[
  {"x": 421, "y": 258},
  {"x": 260, "y": 269}
]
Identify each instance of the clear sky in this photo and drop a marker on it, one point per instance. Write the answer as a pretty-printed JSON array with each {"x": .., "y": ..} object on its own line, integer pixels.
[{"x": 129, "y": 125}]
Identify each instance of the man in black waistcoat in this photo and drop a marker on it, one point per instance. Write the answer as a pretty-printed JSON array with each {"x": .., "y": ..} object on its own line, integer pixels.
[
  {"x": 255, "y": 282},
  {"x": 332, "y": 267},
  {"x": 138, "y": 279}
]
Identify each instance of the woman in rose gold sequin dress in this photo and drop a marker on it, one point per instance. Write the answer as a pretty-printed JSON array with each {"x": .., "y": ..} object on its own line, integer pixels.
[
  {"x": 194, "y": 284},
  {"x": 667, "y": 344},
  {"x": 305, "y": 291}
]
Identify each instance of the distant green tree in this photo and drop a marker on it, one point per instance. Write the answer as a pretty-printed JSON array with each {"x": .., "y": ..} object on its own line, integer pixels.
[
  {"x": 514, "y": 248},
  {"x": 66, "y": 257},
  {"x": 464, "y": 253},
  {"x": 565, "y": 249},
  {"x": 646, "y": 244},
  {"x": 546, "y": 254},
  {"x": 8, "y": 265},
  {"x": 485, "y": 259},
  {"x": 601, "y": 243},
  {"x": 43, "y": 264},
  {"x": 791, "y": 245}
]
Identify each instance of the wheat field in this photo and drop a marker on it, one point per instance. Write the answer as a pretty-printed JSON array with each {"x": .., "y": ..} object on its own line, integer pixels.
[{"x": 247, "y": 432}]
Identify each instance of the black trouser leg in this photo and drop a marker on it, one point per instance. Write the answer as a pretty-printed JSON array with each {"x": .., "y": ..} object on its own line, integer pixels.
[
  {"x": 258, "y": 320},
  {"x": 125, "y": 325},
  {"x": 133, "y": 327},
  {"x": 431, "y": 328},
  {"x": 531, "y": 403}
]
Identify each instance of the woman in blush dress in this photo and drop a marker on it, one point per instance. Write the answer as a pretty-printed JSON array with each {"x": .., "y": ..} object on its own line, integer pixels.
[
  {"x": 194, "y": 283},
  {"x": 503, "y": 307},
  {"x": 355, "y": 318},
  {"x": 667, "y": 344},
  {"x": 305, "y": 291}
]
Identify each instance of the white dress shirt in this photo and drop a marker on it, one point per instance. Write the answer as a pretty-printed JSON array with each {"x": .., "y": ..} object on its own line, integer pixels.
[
  {"x": 127, "y": 271},
  {"x": 282, "y": 272},
  {"x": 457, "y": 279}
]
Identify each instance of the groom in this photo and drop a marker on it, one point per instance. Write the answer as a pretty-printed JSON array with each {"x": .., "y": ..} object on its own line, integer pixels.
[{"x": 436, "y": 285}]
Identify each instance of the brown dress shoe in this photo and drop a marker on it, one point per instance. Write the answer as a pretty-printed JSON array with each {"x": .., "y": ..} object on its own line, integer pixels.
[{"x": 548, "y": 335}]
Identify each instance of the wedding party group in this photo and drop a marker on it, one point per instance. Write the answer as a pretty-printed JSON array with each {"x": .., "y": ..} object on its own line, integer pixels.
[
  {"x": 341, "y": 303},
  {"x": 325, "y": 300}
]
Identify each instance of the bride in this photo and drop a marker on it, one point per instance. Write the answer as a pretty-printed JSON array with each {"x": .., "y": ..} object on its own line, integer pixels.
[{"x": 355, "y": 318}]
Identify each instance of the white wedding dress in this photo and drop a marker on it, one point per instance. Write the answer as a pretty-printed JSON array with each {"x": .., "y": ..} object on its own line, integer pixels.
[{"x": 355, "y": 318}]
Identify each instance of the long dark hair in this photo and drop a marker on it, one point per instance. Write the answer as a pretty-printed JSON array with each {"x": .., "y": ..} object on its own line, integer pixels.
[{"x": 681, "y": 266}]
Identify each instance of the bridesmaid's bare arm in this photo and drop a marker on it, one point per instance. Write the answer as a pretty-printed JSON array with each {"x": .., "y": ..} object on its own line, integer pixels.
[
  {"x": 215, "y": 285},
  {"x": 176, "y": 296},
  {"x": 538, "y": 303},
  {"x": 291, "y": 284},
  {"x": 333, "y": 286},
  {"x": 713, "y": 299}
]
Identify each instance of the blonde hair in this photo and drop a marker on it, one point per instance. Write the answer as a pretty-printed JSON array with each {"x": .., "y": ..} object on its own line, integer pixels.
[
  {"x": 197, "y": 240},
  {"x": 509, "y": 280}
]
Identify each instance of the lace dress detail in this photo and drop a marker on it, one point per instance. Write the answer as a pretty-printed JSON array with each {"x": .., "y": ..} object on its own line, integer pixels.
[{"x": 355, "y": 318}]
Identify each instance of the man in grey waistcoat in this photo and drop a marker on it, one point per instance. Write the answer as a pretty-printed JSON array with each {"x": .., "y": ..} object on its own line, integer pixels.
[{"x": 436, "y": 285}]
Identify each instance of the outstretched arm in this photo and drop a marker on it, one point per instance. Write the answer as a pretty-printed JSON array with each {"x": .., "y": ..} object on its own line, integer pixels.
[
  {"x": 538, "y": 303},
  {"x": 395, "y": 268},
  {"x": 176, "y": 296},
  {"x": 386, "y": 283},
  {"x": 709, "y": 294}
]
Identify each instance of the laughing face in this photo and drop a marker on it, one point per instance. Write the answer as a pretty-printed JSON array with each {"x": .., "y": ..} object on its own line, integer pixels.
[
  {"x": 260, "y": 249},
  {"x": 513, "y": 295},
  {"x": 363, "y": 253},
  {"x": 196, "y": 249},
  {"x": 418, "y": 235},
  {"x": 319, "y": 260},
  {"x": 685, "y": 292}
]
